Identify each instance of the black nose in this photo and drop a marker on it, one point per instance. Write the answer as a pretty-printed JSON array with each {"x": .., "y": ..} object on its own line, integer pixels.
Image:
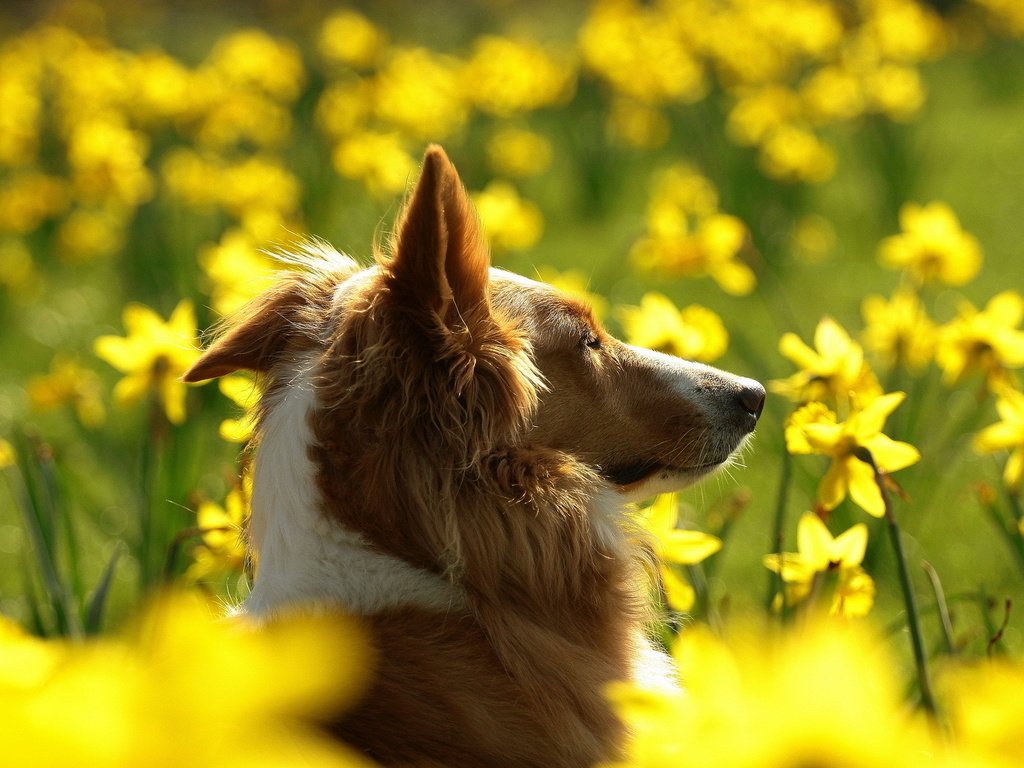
[{"x": 751, "y": 398}]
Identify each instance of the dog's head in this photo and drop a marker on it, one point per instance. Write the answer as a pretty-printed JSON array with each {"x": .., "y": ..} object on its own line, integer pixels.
[{"x": 432, "y": 349}]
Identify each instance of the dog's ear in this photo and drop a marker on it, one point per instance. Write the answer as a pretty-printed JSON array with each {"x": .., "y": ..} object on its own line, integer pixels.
[
  {"x": 439, "y": 259},
  {"x": 258, "y": 339}
]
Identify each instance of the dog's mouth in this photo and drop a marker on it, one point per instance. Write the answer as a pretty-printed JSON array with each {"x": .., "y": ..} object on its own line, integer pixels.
[{"x": 631, "y": 474}]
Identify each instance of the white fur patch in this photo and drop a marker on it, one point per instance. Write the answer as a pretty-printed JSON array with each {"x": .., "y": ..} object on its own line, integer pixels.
[{"x": 305, "y": 558}]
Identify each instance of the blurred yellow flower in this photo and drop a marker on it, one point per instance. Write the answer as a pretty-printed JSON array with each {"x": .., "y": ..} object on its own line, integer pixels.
[
  {"x": 182, "y": 687},
  {"x": 636, "y": 47},
  {"x": 518, "y": 152},
  {"x": 7, "y": 457},
  {"x": 984, "y": 709},
  {"x": 243, "y": 392},
  {"x": 379, "y": 160},
  {"x": 757, "y": 112},
  {"x": 988, "y": 341},
  {"x": 693, "y": 333},
  {"x": 675, "y": 546},
  {"x": 813, "y": 429},
  {"x": 830, "y": 372},
  {"x": 932, "y": 246},
  {"x": 1007, "y": 435},
  {"x": 222, "y": 548},
  {"x": 252, "y": 59},
  {"x": 108, "y": 162},
  {"x": 895, "y": 91},
  {"x": 153, "y": 355},
  {"x": 17, "y": 269},
  {"x": 819, "y": 556},
  {"x": 349, "y": 38},
  {"x": 505, "y": 77},
  {"x": 509, "y": 222},
  {"x": 419, "y": 93},
  {"x": 637, "y": 124},
  {"x": 69, "y": 382},
  {"x": 687, "y": 236},
  {"x": 86, "y": 234},
  {"x": 775, "y": 700},
  {"x": 793, "y": 153},
  {"x": 237, "y": 270},
  {"x": 899, "y": 330},
  {"x": 29, "y": 198}
]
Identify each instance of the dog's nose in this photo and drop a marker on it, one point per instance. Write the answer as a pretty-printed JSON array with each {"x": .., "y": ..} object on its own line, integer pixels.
[{"x": 751, "y": 397}]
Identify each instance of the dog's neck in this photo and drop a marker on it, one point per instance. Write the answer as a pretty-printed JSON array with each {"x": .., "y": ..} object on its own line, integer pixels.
[{"x": 302, "y": 556}]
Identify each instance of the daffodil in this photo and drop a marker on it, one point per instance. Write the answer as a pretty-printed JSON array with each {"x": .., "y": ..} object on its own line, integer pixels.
[
  {"x": 832, "y": 371},
  {"x": 182, "y": 686},
  {"x": 1007, "y": 435},
  {"x": 509, "y": 222},
  {"x": 243, "y": 392},
  {"x": 759, "y": 699},
  {"x": 988, "y": 341},
  {"x": 819, "y": 554},
  {"x": 675, "y": 546},
  {"x": 814, "y": 429},
  {"x": 932, "y": 246},
  {"x": 899, "y": 329},
  {"x": 69, "y": 382},
  {"x": 153, "y": 356},
  {"x": 693, "y": 333},
  {"x": 222, "y": 546}
]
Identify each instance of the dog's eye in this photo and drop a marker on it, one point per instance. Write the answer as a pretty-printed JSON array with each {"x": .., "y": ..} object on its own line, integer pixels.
[{"x": 591, "y": 340}]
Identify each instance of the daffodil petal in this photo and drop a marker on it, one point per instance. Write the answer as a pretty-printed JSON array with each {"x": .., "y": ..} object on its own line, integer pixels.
[
  {"x": 863, "y": 487},
  {"x": 688, "y": 547},
  {"x": 814, "y": 541}
]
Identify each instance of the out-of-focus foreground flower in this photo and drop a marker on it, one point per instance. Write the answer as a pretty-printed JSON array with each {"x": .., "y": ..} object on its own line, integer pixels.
[{"x": 181, "y": 687}]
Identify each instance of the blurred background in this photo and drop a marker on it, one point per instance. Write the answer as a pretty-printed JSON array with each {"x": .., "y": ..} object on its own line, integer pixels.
[{"x": 713, "y": 174}]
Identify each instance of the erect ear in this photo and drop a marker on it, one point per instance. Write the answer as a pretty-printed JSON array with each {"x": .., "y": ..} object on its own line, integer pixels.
[
  {"x": 259, "y": 338},
  {"x": 438, "y": 256}
]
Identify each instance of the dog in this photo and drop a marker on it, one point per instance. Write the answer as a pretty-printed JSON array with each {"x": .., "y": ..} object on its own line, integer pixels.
[{"x": 445, "y": 449}]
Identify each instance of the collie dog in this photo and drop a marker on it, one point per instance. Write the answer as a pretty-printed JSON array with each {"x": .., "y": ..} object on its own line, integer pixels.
[{"x": 445, "y": 450}]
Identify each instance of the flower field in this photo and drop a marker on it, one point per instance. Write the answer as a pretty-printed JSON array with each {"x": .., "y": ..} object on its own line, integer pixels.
[{"x": 824, "y": 195}]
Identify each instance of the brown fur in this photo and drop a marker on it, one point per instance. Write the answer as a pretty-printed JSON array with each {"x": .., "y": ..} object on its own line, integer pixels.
[{"x": 466, "y": 426}]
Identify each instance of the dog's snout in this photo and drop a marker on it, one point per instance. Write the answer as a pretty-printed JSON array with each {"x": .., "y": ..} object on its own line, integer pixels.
[{"x": 751, "y": 397}]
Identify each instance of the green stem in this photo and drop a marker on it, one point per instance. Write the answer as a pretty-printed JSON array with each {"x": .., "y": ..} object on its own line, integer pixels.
[
  {"x": 909, "y": 598},
  {"x": 943, "y": 609},
  {"x": 778, "y": 529}
]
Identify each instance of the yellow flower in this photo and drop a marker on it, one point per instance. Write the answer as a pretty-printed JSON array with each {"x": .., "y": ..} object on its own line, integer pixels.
[
  {"x": 792, "y": 153},
  {"x": 694, "y": 333},
  {"x": 932, "y": 246},
  {"x": 237, "y": 270},
  {"x": 757, "y": 113},
  {"x": 988, "y": 341},
  {"x": 153, "y": 355},
  {"x": 814, "y": 430},
  {"x": 7, "y": 455},
  {"x": 68, "y": 382},
  {"x": 895, "y": 91},
  {"x": 379, "y": 160},
  {"x": 819, "y": 554},
  {"x": 347, "y": 37},
  {"x": 832, "y": 371},
  {"x": 638, "y": 49},
  {"x": 1006, "y": 434},
  {"x": 222, "y": 548},
  {"x": 825, "y": 696},
  {"x": 518, "y": 152},
  {"x": 687, "y": 236},
  {"x": 675, "y": 546},
  {"x": 509, "y": 222},
  {"x": 108, "y": 162},
  {"x": 899, "y": 330},
  {"x": 506, "y": 77},
  {"x": 252, "y": 59},
  {"x": 985, "y": 710},
  {"x": 243, "y": 392},
  {"x": 419, "y": 93},
  {"x": 182, "y": 687}
]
